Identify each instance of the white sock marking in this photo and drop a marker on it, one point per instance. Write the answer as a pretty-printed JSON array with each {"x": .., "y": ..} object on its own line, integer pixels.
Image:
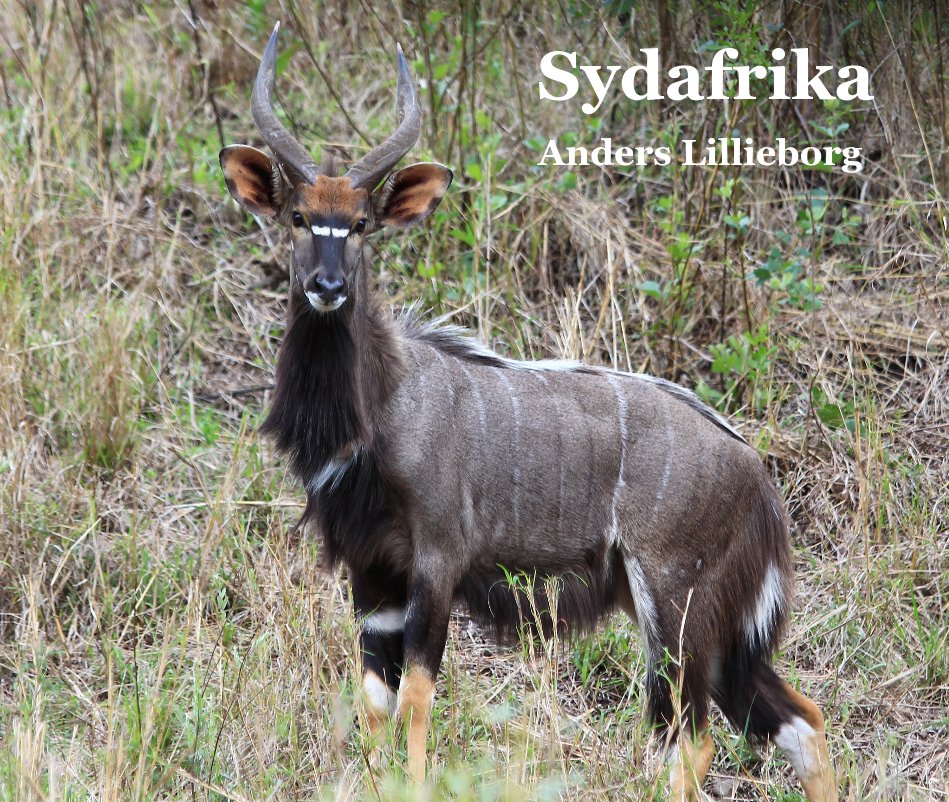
[
  {"x": 796, "y": 740},
  {"x": 378, "y": 695}
]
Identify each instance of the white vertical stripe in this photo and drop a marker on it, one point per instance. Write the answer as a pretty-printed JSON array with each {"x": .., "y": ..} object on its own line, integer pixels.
[
  {"x": 623, "y": 435},
  {"x": 482, "y": 415},
  {"x": 516, "y": 446},
  {"x": 645, "y": 606},
  {"x": 770, "y": 602},
  {"x": 666, "y": 470}
]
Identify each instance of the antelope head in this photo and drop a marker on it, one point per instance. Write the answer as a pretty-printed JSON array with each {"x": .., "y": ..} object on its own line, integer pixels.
[{"x": 330, "y": 216}]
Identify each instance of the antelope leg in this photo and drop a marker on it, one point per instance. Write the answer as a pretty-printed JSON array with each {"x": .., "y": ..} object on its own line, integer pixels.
[
  {"x": 690, "y": 763},
  {"x": 426, "y": 630},
  {"x": 380, "y": 609}
]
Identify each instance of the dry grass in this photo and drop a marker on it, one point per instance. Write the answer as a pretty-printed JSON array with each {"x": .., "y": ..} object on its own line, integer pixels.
[{"x": 161, "y": 636}]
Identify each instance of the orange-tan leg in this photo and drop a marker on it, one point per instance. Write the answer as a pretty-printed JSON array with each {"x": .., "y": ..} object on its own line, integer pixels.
[
  {"x": 804, "y": 744},
  {"x": 416, "y": 693},
  {"x": 690, "y": 761},
  {"x": 426, "y": 631}
]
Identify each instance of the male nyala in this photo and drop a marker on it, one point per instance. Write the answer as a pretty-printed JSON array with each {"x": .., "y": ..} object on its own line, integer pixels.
[{"x": 435, "y": 468}]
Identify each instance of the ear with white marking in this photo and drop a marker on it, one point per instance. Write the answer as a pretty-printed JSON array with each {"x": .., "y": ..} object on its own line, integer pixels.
[
  {"x": 411, "y": 194},
  {"x": 253, "y": 179}
]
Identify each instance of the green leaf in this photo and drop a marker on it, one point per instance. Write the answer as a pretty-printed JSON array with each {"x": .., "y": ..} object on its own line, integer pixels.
[
  {"x": 740, "y": 222},
  {"x": 426, "y": 270},
  {"x": 832, "y": 415},
  {"x": 651, "y": 288},
  {"x": 537, "y": 143},
  {"x": 474, "y": 172},
  {"x": 283, "y": 59},
  {"x": 466, "y": 235}
]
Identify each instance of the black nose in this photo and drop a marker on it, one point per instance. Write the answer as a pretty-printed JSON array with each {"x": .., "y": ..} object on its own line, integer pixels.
[{"x": 329, "y": 287}]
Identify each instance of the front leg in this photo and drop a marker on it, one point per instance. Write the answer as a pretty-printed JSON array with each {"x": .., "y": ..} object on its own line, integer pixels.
[
  {"x": 426, "y": 630},
  {"x": 380, "y": 601}
]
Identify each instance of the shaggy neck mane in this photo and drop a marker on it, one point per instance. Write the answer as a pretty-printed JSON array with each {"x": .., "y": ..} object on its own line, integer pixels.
[{"x": 334, "y": 373}]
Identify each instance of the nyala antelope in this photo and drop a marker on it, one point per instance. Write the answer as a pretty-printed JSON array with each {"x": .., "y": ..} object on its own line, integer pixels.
[{"x": 435, "y": 469}]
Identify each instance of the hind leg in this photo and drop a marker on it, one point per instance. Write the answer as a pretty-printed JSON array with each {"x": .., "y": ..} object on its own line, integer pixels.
[
  {"x": 692, "y": 751},
  {"x": 765, "y": 707},
  {"x": 678, "y": 692},
  {"x": 802, "y": 740},
  {"x": 690, "y": 761}
]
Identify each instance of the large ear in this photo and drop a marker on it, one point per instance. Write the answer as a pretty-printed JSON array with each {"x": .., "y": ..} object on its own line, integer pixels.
[
  {"x": 253, "y": 179},
  {"x": 411, "y": 194}
]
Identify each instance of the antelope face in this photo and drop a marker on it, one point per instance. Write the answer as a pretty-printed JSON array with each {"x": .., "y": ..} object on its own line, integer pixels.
[
  {"x": 328, "y": 221},
  {"x": 329, "y": 217}
]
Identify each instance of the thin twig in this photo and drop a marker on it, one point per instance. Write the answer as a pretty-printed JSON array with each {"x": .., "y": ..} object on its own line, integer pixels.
[{"x": 236, "y": 392}]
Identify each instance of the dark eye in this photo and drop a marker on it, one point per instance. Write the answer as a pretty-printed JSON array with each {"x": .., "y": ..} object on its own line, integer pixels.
[
  {"x": 360, "y": 226},
  {"x": 298, "y": 220}
]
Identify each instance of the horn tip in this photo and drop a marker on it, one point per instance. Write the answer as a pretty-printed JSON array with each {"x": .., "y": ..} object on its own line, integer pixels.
[{"x": 273, "y": 35}]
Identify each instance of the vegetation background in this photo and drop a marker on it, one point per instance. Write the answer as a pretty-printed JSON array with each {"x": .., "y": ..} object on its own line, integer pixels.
[{"x": 162, "y": 635}]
